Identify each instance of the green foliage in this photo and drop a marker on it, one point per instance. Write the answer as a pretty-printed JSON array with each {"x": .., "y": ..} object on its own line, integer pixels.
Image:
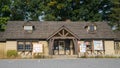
[
  {"x": 26, "y": 9},
  {"x": 12, "y": 53},
  {"x": 75, "y": 10},
  {"x": 3, "y": 22},
  {"x": 5, "y": 10},
  {"x": 60, "y": 10},
  {"x": 115, "y": 14}
]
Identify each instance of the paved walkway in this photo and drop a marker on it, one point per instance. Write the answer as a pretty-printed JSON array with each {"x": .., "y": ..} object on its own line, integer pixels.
[{"x": 60, "y": 63}]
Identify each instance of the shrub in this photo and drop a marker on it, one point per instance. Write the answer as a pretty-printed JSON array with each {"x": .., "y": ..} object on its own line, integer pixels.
[{"x": 12, "y": 53}]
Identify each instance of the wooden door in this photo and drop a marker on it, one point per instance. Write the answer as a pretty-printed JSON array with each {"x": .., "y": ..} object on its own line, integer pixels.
[{"x": 61, "y": 45}]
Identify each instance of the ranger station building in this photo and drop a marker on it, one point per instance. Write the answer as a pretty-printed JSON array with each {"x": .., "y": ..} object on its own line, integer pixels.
[{"x": 59, "y": 38}]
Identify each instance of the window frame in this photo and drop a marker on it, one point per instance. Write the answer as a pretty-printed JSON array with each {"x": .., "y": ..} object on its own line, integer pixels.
[
  {"x": 89, "y": 48},
  {"x": 26, "y": 47},
  {"x": 20, "y": 45},
  {"x": 116, "y": 46},
  {"x": 91, "y": 28}
]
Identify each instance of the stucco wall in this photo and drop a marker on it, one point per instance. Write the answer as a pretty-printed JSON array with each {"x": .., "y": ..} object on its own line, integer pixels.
[
  {"x": 11, "y": 45},
  {"x": 45, "y": 47},
  {"x": 2, "y": 49},
  {"x": 109, "y": 47}
]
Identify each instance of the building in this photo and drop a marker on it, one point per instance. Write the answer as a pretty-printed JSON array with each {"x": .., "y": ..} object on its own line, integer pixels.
[{"x": 59, "y": 38}]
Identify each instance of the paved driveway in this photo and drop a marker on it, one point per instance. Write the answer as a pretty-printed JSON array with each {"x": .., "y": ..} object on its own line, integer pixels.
[{"x": 60, "y": 63}]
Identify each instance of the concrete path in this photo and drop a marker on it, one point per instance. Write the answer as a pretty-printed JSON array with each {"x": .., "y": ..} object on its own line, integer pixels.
[{"x": 60, "y": 63}]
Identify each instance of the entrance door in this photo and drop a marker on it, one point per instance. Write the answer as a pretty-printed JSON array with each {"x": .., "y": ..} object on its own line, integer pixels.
[{"x": 61, "y": 46}]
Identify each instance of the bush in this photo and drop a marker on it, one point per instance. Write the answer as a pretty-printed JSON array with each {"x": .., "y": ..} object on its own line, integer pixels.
[{"x": 12, "y": 53}]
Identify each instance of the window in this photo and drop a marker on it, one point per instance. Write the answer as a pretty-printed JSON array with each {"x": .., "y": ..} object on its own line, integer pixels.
[
  {"x": 117, "y": 46},
  {"x": 20, "y": 46},
  {"x": 29, "y": 29},
  {"x": 88, "y": 45},
  {"x": 55, "y": 45},
  {"x": 24, "y": 46},
  {"x": 91, "y": 28},
  {"x": 28, "y": 46}
]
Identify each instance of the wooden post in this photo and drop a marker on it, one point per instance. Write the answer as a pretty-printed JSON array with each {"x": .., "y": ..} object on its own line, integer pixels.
[
  {"x": 92, "y": 44},
  {"x": 76, "y": 46},
  {"x": 50, "y": 46},
  {"x": 51, "y": 41}
]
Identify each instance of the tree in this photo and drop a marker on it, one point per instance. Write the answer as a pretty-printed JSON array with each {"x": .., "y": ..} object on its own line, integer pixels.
[
  {"x": 75, "y": 10},
  {"x": 115, "y": 14},
  {"x": 26, "y": 9},
  {"x": 58, "y": 10},
  {"x": 3, "y": 22},
  {"x": 5, "y": 10}
]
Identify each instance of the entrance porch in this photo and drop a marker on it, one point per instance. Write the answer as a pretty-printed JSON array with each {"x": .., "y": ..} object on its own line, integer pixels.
[{"x": 63, "y": 42}]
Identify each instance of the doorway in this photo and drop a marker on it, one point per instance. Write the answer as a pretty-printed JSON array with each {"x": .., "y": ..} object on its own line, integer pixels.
[{"x": 63, "y": 47}]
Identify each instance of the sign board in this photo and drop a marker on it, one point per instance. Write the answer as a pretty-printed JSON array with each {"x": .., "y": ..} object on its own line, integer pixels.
[
  {"x": 37, "y": 48},
  {"x": 82, "y": 47},
  {"x": 98, "y": 45}
]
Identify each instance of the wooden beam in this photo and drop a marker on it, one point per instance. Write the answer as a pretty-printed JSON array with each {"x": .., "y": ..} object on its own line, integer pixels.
[
  {"x": 60, "y": 34},
  {"x": 63, "y": 38},
  {"x": 92, "y": 46},
  {"x": 66, "y": 34},
  {"x": 63, "y": 32}
]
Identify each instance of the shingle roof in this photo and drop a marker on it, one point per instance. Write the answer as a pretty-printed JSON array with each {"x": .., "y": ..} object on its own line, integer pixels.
[
  {"x": 117, "y": 34},
  {"x": 1, "y": 36},
  {"x": 44, "y": 29}
]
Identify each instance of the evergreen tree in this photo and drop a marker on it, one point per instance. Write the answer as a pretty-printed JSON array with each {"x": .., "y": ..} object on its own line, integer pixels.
[
  {"x": 75, "y": 10},
  {"x": 115, "y": 14}
]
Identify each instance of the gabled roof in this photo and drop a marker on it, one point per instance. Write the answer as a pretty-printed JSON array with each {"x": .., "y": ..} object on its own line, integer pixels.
[{"x": 43, "y": 30}]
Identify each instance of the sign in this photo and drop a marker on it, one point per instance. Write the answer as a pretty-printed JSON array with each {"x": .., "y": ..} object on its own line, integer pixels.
[
  {"x": 82, "y": 47},
  {"x": 37, "y": 48},
  {"x": 98, "y": 45}
]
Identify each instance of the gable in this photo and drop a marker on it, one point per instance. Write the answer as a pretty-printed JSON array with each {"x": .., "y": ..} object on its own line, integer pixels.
[{"x": 63, "y": 32}]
